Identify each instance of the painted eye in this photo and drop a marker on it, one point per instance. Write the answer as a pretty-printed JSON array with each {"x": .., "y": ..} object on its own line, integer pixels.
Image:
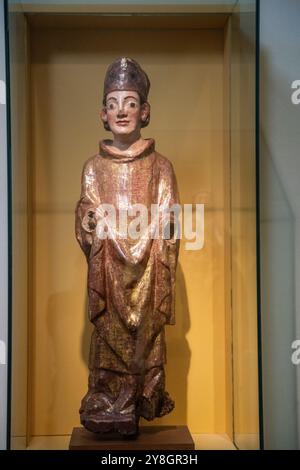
[{"x": 132, "y": 104}]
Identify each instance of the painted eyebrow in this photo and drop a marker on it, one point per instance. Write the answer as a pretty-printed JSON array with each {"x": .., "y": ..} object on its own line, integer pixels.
[{"x": 115, "y": 99}]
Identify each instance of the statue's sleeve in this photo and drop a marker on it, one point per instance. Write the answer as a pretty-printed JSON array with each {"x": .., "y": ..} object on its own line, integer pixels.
[
  {"x": 173, "y": 246},
  {"x": 170, "y": 198},
  {"x": 85, "y": 212}
]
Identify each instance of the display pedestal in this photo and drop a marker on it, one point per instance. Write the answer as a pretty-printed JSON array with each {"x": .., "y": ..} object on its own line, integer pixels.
[{"x": 149, "y": 438}]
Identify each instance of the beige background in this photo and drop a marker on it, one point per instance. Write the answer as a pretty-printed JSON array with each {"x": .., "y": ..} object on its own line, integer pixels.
[{"x": 187, "y": 120}]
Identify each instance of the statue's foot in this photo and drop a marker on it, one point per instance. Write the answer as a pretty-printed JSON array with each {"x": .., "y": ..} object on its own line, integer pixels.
[
  {"x": 158, "y": 406},
  {"x": 167, "y": 405},
  {"x": 125, "y": 425}
]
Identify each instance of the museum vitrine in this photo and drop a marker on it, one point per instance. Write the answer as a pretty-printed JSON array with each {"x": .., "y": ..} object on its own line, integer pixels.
[{"x": 201, "y": 58}]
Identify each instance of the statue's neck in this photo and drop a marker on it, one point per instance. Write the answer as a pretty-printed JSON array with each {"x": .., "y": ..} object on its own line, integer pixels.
[
  {"x": 139, "y": 149},
  {"x": 128, "y": 143}
]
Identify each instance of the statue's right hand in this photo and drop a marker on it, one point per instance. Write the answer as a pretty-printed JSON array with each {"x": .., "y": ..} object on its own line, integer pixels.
[{"x": 91, "y": 220}]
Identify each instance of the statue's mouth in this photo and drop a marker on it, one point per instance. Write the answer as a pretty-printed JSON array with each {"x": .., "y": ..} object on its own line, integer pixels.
[{"x": 122, "y": 123}]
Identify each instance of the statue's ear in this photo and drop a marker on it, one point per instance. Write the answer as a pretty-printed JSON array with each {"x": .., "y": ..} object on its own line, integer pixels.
[
  {"x": 145, "y": 112},
  {"x": 103, "y": 117},
  {"x": 103, "y": 114}
]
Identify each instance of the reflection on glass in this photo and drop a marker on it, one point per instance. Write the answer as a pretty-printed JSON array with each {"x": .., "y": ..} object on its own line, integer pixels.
[
  {"x": 243, "y": 222},
  {"x": 20, "y": 218}
]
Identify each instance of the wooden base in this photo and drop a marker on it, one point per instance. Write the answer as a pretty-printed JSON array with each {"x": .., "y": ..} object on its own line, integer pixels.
[{"x": 149, "y": 438}]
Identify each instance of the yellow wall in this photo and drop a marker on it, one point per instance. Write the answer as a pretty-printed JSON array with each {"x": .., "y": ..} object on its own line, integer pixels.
[{"x": 187, "y": 121}]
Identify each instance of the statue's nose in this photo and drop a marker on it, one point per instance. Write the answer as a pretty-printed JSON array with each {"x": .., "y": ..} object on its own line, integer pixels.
[{"x": 122, "y": 112}]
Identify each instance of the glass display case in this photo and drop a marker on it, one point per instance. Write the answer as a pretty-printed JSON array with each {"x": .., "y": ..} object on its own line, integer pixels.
[{"x": 201, "y": 58}]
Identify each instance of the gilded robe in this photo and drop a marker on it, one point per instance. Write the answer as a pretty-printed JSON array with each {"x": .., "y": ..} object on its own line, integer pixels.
[{"x": 131, "y": 283}]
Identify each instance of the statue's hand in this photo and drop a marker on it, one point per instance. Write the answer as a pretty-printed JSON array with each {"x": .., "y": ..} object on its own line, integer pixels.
[
  {"x": 132, "y": 326},
  {"x": 91, "y": 220}
]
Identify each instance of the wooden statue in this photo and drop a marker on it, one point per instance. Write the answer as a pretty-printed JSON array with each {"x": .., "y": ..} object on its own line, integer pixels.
[{"x": 131, "y": 279}]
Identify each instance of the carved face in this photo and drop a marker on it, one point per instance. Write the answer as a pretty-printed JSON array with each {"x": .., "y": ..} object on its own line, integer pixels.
[{"x": 123, "y": 112}]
